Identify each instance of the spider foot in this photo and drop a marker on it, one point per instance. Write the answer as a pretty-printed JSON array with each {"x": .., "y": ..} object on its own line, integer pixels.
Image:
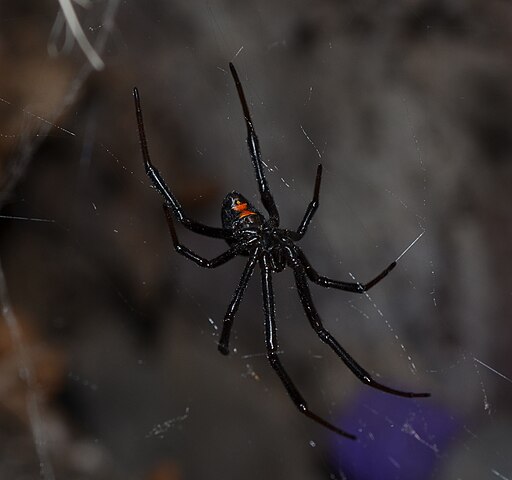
[
  {"x": 223, "y": 348},
  {"x": 223, "y": 345},
  {"x": 372, "y": 383},
  {"x": 326, "y": 424}
]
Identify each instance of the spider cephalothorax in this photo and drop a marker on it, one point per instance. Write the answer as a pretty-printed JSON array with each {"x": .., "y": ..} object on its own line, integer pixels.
[{"x": 248, "y": 233}]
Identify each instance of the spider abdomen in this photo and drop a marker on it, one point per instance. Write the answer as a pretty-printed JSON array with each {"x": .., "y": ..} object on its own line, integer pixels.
[{"x": 238, "y": 213}]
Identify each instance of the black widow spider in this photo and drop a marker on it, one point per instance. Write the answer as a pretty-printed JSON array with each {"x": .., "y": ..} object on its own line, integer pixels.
[{"x": 249, "y": 234}]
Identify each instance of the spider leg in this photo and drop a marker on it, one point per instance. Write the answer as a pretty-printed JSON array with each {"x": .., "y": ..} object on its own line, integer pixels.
[
  {"x": 254, "y": 151},
  {"x": 186, "y": 252},
  {"x": 354, "y": 287},
  {"x": 312, "y": 207},
  {"x": 273, "y": 347},
  {"x": 160, "y": 185},
  {"x": 235, "y": 303},
  {"x": 326, "y": 337}
]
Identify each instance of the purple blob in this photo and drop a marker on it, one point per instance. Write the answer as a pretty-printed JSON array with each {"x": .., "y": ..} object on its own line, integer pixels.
[{"x": 398, "y": 438}]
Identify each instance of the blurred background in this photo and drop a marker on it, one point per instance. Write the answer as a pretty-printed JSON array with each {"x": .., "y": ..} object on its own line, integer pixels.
[{"x": 109, "y": 366}]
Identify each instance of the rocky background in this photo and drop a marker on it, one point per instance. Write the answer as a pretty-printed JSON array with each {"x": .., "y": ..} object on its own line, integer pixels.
[{"x": 108, "y": 361}]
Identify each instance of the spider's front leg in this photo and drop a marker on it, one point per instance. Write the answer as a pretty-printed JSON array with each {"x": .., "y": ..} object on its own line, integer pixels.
[
  {"x": 159, "y": 183},
  {"x": 255, "y": 153},
  {"x": 273, "y": 347},
  {"x": 326, "y": 337},
  {"x": 312, "y": 207}
]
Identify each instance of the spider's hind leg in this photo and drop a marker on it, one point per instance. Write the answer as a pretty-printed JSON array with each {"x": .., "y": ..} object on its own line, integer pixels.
[
  {"x": 273, "y": 357},
  {"x": 186, "y": 252},
  {"x": 235, "y": 303},
  {"x": 354, "y": 287},
  {"x": 326, "y": 337}
]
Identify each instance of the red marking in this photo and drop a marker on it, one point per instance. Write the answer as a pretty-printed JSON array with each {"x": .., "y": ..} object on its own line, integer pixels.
[
  {"x": 244, "y": 211},
  {"x": 240, "y": 207}
]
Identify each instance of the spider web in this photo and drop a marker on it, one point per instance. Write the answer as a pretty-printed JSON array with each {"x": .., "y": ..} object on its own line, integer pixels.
[{"x": 111, "y": 369}]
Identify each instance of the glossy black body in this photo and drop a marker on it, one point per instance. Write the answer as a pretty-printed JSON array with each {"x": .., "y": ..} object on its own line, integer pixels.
[{"x": 249, "y": 233}]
